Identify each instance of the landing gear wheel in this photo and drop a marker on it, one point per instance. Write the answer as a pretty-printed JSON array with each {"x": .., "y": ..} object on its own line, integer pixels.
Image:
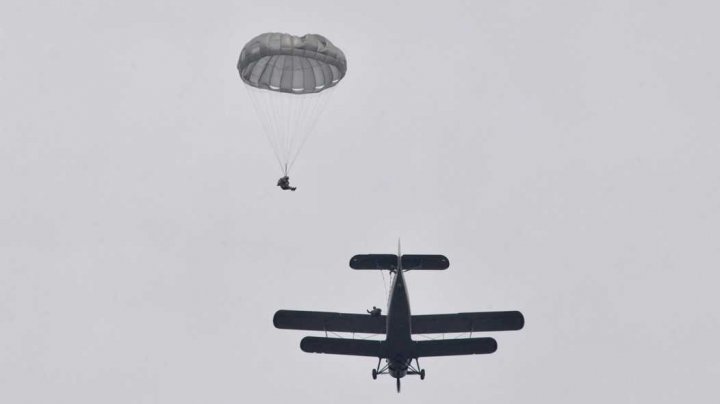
[
  {"x": 398, "y": 384},
  {"x": 374, "y": 374},
  {"x": 422, "y": 374}
]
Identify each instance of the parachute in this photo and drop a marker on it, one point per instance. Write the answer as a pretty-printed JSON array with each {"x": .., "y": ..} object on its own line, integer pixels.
[{"x": 290, "y": 80}]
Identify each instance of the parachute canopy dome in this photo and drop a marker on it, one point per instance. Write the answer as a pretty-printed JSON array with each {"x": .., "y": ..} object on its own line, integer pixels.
[{"x": 291, "y": 64}]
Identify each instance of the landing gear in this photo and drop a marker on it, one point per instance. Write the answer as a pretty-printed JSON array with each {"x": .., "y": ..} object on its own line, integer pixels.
[
  {"x": 379, "y": 370},
  {"x": 403, "y": 368},
  {"x": 416, "y": 370}
]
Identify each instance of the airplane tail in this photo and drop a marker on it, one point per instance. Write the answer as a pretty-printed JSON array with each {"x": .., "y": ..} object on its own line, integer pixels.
[
  {"x": 391, "y": 262},
  {"x": 405, "y": 262}
]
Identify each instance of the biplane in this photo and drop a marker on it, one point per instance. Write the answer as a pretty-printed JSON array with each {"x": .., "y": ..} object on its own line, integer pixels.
[{"x": 399, "y": 350}]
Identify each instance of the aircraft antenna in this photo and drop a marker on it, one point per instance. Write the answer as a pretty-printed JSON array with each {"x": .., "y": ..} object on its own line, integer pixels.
[{"x": 399, "y": 257}]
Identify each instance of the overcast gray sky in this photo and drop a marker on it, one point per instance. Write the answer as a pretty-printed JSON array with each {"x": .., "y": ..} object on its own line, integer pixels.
[{"x": 562, "y": 154}]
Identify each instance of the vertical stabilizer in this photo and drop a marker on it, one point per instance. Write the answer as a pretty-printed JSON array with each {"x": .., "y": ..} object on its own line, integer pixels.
[{"x": 399, "y": 256}]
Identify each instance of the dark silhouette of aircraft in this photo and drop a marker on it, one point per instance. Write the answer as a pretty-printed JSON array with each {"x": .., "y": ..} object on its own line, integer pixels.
[{"x": 399, "y": 349}]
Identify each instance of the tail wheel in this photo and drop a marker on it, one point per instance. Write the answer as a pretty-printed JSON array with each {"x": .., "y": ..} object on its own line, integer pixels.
[
  {"x": 374, "y": 374},
  {"x": 422, "y": 374}
]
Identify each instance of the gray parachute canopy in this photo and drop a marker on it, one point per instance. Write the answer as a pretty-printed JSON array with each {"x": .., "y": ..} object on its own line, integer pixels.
[{"x": 291, "y": 64}]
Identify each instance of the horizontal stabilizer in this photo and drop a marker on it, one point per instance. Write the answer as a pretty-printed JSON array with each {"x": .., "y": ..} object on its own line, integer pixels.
[
  {"x": 344, "y": 346},
  {"x": 374, "y": 261},
  {"x": 325, "y": 321},
  {"x": 390, "y": 261},
  {"x": 467, "y": 322},
  {"x": 448, "y": 347},
  {"x": 427, "y": 262}
]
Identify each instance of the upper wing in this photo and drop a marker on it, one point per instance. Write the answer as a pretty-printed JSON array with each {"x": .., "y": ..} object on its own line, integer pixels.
[
  {"x": 374, "y": 261},
  {"x": 344, "y": 346},
  {"x": 324, "y": 321},
  {"x": 467, "y": 322},
  {"x": 446, "y": 347},
  {"x": 416, "y": 261}
]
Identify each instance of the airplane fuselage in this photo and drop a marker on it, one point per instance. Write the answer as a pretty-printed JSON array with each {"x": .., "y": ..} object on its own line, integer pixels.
[{"x": 398, "y": 337}]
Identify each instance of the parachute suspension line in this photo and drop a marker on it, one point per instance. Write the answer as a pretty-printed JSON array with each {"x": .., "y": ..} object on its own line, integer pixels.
[
  {"x": 288, "y": 120},
  {"x": 298, "y": 122},
  {"x": 287, "y": 106},
  {"x": 316, "y": 107},
  {"x": 274, "y": 105},
  {"x": 277, "y": 121},
  {"x": 292, "y": 114},
  {"x": 259, "y": 104},
  {"x": 309, "y": 112},
  {"x": 280, "y": 134},
  {"x": 272, "y": 120},
  {"x": 296, "y": 119},
  {"x": 267, "y": 104}
]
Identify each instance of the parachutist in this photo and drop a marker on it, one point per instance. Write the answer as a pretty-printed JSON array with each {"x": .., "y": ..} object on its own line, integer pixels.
[
  {"x": 375, "y": 312},
  {"x": 287, "y": 78},
  {"x": 284, "y": 183}
]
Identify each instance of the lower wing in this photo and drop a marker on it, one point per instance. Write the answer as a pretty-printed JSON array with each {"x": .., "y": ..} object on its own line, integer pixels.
[
  {"x": 344, "y": 346},
  {"x": 418, "y": 349},
  {"x": 447, "y": 347}
]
